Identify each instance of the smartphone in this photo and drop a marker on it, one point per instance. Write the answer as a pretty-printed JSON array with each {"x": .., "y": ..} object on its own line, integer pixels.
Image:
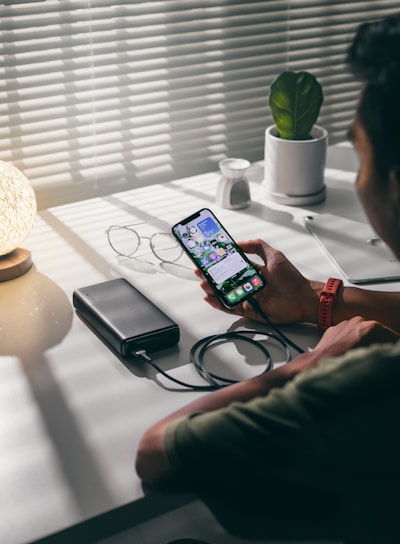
[{"x": 219, "y": 258}]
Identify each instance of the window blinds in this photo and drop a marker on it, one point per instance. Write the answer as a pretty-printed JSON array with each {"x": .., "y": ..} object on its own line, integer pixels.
[{"x": 98, "y": 96}]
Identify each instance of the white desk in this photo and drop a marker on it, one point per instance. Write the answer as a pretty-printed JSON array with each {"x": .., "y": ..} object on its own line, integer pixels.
[{"x": 71, "y": 413}]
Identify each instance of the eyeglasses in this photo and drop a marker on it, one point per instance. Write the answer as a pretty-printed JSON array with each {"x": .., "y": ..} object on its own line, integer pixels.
[{"x": 126, "y": 240}]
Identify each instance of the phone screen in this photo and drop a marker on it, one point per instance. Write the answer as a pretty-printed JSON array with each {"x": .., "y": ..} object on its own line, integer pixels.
[{"x": 221, "y": 261}]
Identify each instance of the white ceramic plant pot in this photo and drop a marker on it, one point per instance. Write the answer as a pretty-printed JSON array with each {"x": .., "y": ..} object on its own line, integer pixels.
[{"x": 294, "y": 169}]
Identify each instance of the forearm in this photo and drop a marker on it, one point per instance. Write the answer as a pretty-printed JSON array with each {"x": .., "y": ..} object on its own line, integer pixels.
[
  {"x": 377, "y": 305},
  {"x": 380, "y": 306}
]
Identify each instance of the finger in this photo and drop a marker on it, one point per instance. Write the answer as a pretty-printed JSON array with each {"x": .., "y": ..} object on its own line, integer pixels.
[
  {"x": 257, "y": 247},
  {"x": 206, "y": 287}
]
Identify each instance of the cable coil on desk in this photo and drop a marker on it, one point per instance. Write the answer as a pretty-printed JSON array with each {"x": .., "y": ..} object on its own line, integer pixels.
[{"x": 199, "y": 349}]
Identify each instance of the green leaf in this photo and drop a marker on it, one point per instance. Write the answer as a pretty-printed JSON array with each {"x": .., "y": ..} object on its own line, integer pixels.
[{"x": 295, "y": 100}]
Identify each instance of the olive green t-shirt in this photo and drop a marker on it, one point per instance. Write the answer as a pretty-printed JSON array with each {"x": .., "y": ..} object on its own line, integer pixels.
[{"x": 333, "y": 431}]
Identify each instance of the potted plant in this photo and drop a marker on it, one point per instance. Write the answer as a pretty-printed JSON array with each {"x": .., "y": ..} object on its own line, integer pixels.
[{"x": 295, "y": 147}]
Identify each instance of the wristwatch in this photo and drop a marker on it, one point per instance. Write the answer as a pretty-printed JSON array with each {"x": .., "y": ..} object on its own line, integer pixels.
[{"x": 326, "y": 301}]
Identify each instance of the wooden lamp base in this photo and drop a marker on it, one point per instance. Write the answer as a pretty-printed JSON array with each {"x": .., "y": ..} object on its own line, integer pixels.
[{"x": 15, "y": 264}]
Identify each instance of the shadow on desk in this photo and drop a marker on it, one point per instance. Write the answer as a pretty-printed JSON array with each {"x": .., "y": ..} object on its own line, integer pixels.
[{"x": 39, "y": 315}]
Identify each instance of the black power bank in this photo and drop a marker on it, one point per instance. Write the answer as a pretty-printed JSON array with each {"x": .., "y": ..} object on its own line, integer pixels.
[{"x": 124, "y": 317}]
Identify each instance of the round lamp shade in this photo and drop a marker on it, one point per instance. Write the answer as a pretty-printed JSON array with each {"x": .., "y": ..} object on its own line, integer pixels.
[{"x": 17, "y": 207}]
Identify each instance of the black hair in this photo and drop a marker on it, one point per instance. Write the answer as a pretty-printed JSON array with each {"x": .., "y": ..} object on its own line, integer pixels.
[{"x": 374, "y": 58}]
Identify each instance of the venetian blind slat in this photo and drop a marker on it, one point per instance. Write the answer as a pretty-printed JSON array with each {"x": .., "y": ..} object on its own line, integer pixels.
[{"x": 97, "y": 97}]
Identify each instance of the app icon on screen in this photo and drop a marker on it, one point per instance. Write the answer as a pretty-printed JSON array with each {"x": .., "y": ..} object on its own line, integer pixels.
[{"x": 197, "y": 251}]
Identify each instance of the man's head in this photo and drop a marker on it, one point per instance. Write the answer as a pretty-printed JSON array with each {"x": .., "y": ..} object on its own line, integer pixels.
[{"x": 374, "y": 57}]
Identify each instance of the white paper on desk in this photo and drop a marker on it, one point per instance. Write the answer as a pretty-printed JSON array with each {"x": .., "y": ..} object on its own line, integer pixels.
[{"x": 355, "y": 248}]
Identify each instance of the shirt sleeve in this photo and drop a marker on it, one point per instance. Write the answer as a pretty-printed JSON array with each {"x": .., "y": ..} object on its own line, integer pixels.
[
  {"x": 314, "y": 431},
  {"x": 318, "y": 457}
]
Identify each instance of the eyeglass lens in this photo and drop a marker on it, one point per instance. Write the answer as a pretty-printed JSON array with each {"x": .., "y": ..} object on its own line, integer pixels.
[
  {"x": 125, "y": 241},
  {"x": 165, "y": 247}
]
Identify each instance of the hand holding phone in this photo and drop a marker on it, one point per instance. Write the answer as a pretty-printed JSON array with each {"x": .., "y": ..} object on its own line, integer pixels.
[{"x": 221, "y": 261}]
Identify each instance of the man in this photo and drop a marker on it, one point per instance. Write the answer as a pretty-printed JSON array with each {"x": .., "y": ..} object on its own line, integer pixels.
[{"x": 311, "y": 448}]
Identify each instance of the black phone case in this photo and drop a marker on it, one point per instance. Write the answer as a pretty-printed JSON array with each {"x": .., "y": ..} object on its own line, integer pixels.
[
  {"x": 124, "y": 317},
  {"x": 216, "y": 291}
]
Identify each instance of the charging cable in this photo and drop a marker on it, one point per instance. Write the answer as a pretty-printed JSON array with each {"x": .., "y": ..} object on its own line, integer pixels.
[
  {"x": 284, "y": 338},
  {"x": 199, "y": 349}
]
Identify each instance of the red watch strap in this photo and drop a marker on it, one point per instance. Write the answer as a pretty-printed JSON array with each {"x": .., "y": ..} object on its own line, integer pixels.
[{"x": 326, "y": 300}]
